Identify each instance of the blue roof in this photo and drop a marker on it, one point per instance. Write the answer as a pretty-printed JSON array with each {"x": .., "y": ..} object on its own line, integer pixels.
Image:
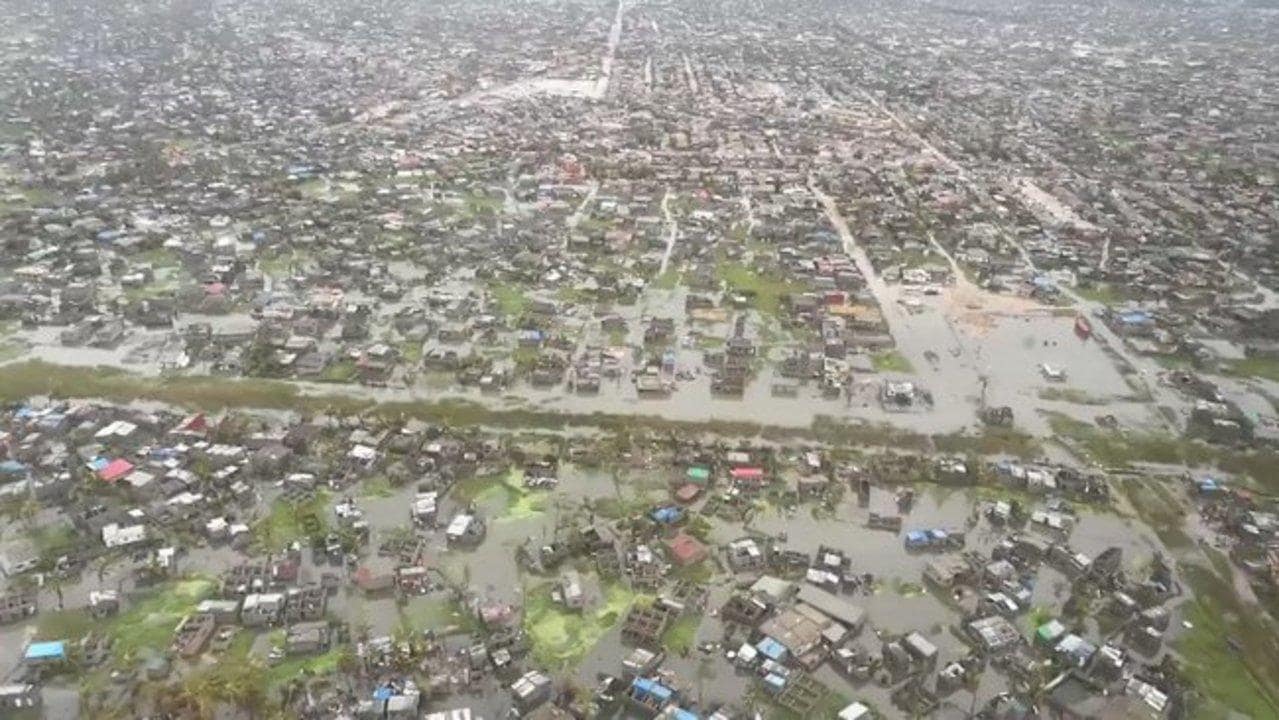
[
  {"x": 50, "y": 650},
  {"x": 771, "y": 649},
  {"x": 915, "y": 536},
  {"x": 12, "y": 467},
  {"x": 682, "y": 714},
  {"x": 1135, "y": 317},
  {"x": 775, "y": 680},
  {"x": 651, "y": 687},
  {"x": 668, "y": 514},
  {"x": 383, "y": 693}
]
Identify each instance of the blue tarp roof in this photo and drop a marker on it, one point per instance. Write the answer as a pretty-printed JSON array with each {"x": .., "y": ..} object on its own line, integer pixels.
[
  {"x": 916, "y": 536},
  {"x": 682, "y": 714},
  {"x": 771, "y": 649},
  {"x": 51, "y": 650},
  {"x": 775, "y": 681},
  {"x": 651, "y": 687},
  {"x": 667, "y": 514},
  {"x": 1135, "y": 317},
  {"x": 12, "y": 467},
  {"x": 383, "y": 693}
]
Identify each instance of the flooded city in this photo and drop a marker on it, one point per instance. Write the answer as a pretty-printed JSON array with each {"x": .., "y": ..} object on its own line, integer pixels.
[{"x": 638, "y": 360}]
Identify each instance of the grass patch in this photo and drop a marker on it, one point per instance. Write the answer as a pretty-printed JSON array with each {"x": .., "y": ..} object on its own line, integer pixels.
[
  {"x": 1253, "y": 367},
  {"x": 377, "y": 486},
  {"x": 1120, "y": 449},
  {"x": 411, "y": 351},
  {"x": 891, "y": 361},
  {"x": 1243, "y": 678},
  {"x": 989, "y": 441},
  {"x": 342, "y": 371},
  {"x": 1158, "y": 508},
  {"x": 668, "y": 280},
  {"x": 510, "y": 299},
  {"x": 502, "y": 495},
  {"x": 65, "y": 625},
  {"x": 149, "y": 623},
  {"x": 306, "y": 667},
  {"x": 288, "y": 523},
  {"x": 1105, "y": 293},
  {"x": 766, "y": 290},
  {"x": 681, "y": 636},
  {"x": 1070, "y": 395},
  {"x": 442, "y": 615}
]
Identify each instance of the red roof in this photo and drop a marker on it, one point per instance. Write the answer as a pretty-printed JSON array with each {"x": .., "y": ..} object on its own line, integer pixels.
[
  {"x": 195, "y": 424},
  {"x": 115, "y": 470},
  {"x": 747, "y": 473},
  {"x": 686, "y": 549},
  {"x": 687, "y": 492}
]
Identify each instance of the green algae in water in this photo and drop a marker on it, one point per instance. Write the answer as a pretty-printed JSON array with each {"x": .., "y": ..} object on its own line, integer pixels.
[{"x": 561, "y": 638}]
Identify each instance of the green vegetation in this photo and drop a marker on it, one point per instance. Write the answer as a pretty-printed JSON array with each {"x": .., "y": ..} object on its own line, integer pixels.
[
  {"x": 668, "y": 280},
  {"x": 1254, "y": 367},
  {"x": 283, "y": 263},
  {"x": 891, "y": 361},
  {"x": 295, "y": 668},
  {"x": 1228, "y": 653},
  {"x": 766, "y": 290},
  {"x": 22, "y": 380},
  {"x": 510, "y": 299},
  {"x": 503, "y": 495},
  {"x": 288, "y": 523},
  {"x": 478, "y": 204},
  {"x": 442, "y": 615},
  {"x": 1105, "y": 293},
  {"x": 377, "y": 487},
  {"x": 681, "y": 636},
  {"x": 559, "y": 637},
  {"x": 1121, "y": 449},
  {"x": 149, "y": 624},
  {"x": 1070, "y": 395},
  {"x": 146, "y": 625},
  {"x": 160, "y": 257},
  {"x": 989, "y": 441},
  {"x": 1158, "y": 508},
  {"x": 342, "y": 371}
]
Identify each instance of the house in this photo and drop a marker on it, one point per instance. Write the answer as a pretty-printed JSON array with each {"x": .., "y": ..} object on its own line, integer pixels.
[
  {"x": 798, "y": 630},
  {"x": 47, "y": 652},
  {"x": 994, "y": 634},
  {"x": 259, "y": 609},
  {"x": 114, "y": 536},
  {"x": 832, "y": 606},
  {"x": 193, "y": 634},
  {"x": 947, "y": 571},
  {"x": 103, "y": 603},
  {"x": 645, "y": 624},
  {"x": 465, "y": 529},
  {"x": 18, "y": 697},
  {"x": 1072, "y": 696},
  {"x": 16, "y": 606},
  {"x": 570, "y": 591},
  {"x": 307, "y": 638},
  {"x": 532, "y": 689},
  {"x": 424, "y": 508},
  {"x": 745, "y": 554}
]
